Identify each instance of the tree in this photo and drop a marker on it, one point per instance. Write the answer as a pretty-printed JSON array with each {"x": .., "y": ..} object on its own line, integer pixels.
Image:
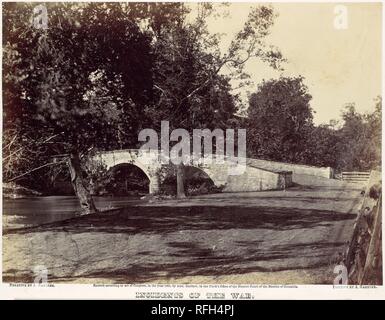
[
  {"x": 352, "y": 145},
  {"x": 102, "y": 71},
  {"x": 84, "y": 79},
  {"x": 372, "y": 150},
  {"x": 190, "y": 90},
  {"x": 280, "y": 120},
  {"x": 360, "y": 136},
  {"x": 323, "y": 146}
]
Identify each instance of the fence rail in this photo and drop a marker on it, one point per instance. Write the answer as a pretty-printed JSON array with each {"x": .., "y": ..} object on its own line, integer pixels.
[
  {"x": 364, "y": 255},
  {"x": 355, "y": 176}
]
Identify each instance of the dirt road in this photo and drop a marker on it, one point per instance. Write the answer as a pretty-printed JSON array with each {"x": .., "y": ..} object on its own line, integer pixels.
[{"x": 287, "y": 237}]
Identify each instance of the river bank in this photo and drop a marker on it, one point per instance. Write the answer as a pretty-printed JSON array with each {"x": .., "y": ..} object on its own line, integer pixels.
[
  {"x": 32, "y": 211},
  {"x": 14, "y": 191}
]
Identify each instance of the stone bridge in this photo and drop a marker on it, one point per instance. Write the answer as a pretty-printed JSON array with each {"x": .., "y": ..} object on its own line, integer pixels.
[{"x": 258, "y": 175}]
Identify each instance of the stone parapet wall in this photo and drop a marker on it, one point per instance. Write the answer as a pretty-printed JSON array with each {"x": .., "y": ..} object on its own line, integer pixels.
[{"x": 296, "y": 169}]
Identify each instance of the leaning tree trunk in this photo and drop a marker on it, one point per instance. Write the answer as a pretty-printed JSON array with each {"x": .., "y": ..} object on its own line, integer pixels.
[
  {"x": 86, "y": 202},
  {"x": 180, "y": 192}
]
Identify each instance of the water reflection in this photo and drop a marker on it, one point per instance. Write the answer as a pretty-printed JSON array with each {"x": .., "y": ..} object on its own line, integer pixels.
[{"x": 38, "y": 210}]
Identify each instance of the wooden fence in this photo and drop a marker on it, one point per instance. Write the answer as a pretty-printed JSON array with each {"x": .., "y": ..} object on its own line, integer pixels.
[
  {"x": 355, "y": 176},
  {"x": 364, "y": 254}
]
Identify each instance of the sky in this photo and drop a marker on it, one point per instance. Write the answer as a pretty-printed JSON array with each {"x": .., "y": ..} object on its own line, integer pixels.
[{"x": 339, "y": 65}]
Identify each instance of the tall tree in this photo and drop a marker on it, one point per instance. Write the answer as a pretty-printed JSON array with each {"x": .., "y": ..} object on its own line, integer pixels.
[
  {"x": 191, "y": 91},
  {"x": 353, "y": 144},
  {"x": 323, "y": 146},
  {"x": 99, "y": 69},
  {"x": 280, "y": 120},
  {"x": 360, "y": 147},
  {"x": 85, "y": 79}
]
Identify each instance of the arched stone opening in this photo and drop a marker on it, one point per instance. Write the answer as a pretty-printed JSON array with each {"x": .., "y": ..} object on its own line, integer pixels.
[
  {"x": 196, "y": 181},
  {"x": 125, "y": 179}
]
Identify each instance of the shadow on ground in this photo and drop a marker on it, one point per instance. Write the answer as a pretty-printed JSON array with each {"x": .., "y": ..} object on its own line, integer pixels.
[
  {"x": 163, "y": 219},
  {"x": 191, "y": 260},
  {"x": 157, "y": 242}
]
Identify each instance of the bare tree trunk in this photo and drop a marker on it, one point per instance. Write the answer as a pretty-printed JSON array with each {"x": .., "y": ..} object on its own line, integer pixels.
[
  {"x": 180, "y": 192},
  {"x": 86, "y": 202}
]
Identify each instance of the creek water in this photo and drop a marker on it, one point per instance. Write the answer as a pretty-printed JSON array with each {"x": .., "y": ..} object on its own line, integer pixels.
[{"x": 32, "y": 211}]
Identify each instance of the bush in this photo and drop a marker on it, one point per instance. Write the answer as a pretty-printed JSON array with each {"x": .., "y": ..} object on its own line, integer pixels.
[{"x": 375, "y": 191}]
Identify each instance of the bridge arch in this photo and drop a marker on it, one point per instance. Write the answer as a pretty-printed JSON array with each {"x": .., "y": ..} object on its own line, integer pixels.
[
  {"x": 198, "y": 180},
  {"x": 207, "y": 171},
  {"x": 217, "y": 173},
  {"x": 126, "y": 171},
  {"x": 136, "y": 164},
  {"x": 130, "y": 157}
]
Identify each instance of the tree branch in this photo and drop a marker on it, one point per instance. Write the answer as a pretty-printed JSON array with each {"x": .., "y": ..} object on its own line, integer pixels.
[{"x": 35, "y": 169}]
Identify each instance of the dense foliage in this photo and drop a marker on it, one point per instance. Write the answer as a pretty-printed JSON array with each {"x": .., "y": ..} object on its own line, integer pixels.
[
  {"x": 280, "y": 127},
  {"x": 101, "y": 72}
]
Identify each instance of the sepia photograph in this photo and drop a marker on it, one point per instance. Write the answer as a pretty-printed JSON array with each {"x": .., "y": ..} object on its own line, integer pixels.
[{"x": 214, "y": 143}]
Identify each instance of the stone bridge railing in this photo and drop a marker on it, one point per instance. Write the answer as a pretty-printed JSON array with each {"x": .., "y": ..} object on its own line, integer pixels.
[
  {"x": 231, "y": 173},
  {"x": 249, "y": 175}
]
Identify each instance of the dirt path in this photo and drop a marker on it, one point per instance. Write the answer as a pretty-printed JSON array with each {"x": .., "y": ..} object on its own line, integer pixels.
[{"x": 286, "y": 237}]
